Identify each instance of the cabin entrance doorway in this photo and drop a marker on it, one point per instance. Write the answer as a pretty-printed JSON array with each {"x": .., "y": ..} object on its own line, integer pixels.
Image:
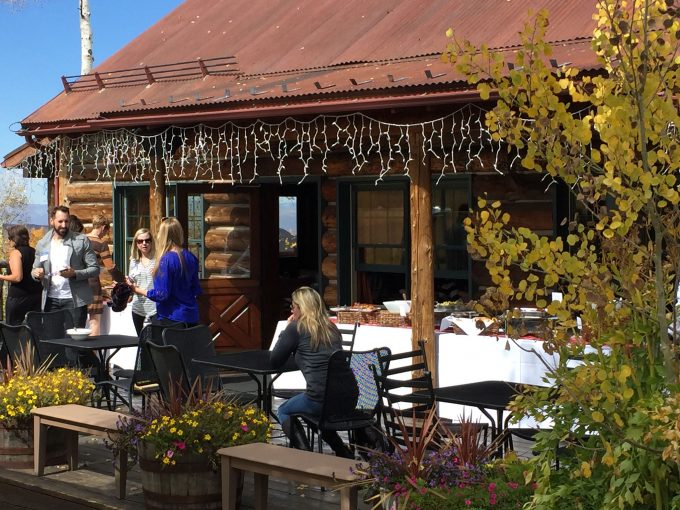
[
  {"x": 223, "y": 229},
  {"x": 291, "y": 247}
]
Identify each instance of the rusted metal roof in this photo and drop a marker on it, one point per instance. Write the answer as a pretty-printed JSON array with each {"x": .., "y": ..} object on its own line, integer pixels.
[{"x": 273, "y": 56}]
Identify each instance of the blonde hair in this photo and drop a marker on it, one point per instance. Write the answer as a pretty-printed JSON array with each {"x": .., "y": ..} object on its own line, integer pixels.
[
  {"x": 99, "y": 220},
  {"x": 135, "y": 254},
  {"x": 313, "y": 317},
  {"x": 170, "y": 238}
]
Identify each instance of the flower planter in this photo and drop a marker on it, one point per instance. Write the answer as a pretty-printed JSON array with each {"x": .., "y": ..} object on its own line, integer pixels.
[
  {"x": 188, "y": 485},
  {"x": 16, "y": 447}
]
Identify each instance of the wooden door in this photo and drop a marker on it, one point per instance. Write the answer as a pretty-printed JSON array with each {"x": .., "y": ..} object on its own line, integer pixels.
[{"x": 223, "y": 230}]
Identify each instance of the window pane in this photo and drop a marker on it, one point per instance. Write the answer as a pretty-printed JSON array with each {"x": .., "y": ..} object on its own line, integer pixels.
[
  {"x": 288, "y": 226},
  {"x": 136, "y": 209},
  {"x": 226, "y": 224},
  {"x": 449, "y": 209},
  {"x": 380, "y": 217}
]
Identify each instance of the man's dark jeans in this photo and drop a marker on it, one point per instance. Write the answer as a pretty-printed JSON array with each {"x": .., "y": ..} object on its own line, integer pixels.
[{"x": 79, "y": 314}]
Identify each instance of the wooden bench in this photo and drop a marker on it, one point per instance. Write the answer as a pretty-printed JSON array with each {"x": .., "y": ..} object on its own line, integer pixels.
[
  {"x": 79, "y": 420},
  {"x": 266, "y": 460}
]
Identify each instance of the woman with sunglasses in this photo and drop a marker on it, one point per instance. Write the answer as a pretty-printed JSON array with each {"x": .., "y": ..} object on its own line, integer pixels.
[
  {"x": 142, "y": 262},
  {"x": 175, "y": 277}
]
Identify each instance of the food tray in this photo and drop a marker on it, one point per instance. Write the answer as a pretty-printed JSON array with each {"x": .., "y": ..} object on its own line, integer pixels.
[{"x": 393, "y": 320}]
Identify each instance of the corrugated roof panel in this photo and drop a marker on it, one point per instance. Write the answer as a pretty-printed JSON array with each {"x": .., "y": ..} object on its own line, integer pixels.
[{"x": 308, "y": 41}]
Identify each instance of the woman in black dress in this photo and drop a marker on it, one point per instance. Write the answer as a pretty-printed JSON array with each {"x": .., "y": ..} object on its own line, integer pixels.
[{"x": 25, "y": 293}]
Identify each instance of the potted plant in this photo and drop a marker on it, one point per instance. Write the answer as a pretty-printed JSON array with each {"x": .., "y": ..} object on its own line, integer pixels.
[
  {"x": 23, "y": 386},
  {"x": 176, "y": 445},
  {"x": 437, "y": 469}
]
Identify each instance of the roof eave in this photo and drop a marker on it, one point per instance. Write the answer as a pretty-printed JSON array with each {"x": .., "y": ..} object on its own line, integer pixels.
[{"x": 255, "y": 111}]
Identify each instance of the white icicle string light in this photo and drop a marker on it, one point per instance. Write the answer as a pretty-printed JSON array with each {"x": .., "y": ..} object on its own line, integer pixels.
[{"x": 221, "y": 153}]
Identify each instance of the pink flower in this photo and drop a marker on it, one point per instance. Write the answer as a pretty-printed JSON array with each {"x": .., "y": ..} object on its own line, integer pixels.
[
  {"x": 492, "y": 487},
  {"x": 181, "y": 445},
  {"x": 169, "y": 454},
  {"x": 513, "y": 485},
  {"x": 244, "y": 428},
  {"x": 423, "y": 490},
  {"x": 468, "y": 502}
]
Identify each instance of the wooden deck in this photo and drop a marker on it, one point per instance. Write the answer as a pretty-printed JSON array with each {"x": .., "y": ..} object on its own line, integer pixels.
[{"x": 92, "y": 487}]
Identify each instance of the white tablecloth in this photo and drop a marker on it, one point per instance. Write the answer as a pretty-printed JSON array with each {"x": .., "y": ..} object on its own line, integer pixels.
[
  {"x": 461, "y": 359},
  {"x": 120, "y": 323}
]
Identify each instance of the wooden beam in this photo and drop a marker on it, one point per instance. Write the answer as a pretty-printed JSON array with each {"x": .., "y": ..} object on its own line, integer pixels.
[
  {"x": 62, "y": 182},
  {"x": 422, "y": 268},
  {"x": 156, "y": 194}
]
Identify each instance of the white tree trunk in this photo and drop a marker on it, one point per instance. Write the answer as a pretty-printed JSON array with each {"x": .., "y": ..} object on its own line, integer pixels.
[{"x": 86, "y": 57}]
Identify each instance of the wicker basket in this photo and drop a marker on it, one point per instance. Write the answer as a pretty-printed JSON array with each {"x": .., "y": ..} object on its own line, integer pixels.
[
  {"x": 350, "y": 317},
  {"x": 394, "y": 320}
]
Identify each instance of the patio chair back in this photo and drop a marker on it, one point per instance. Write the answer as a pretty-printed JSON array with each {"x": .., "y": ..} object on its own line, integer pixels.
[
  {"x": 168, "y": 364},
  {"x": 15, "y": 339},
  {"x": 361, "y": 364},
  {"x": 193, "y": 343},
  {"x": 406, "y": 400},
  {"x": 348, "y": 336},
  {"x": 48, "y": 325}
]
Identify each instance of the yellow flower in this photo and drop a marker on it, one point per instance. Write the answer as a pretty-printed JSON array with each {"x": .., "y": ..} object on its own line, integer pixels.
[{"x": 207, "y": 437}]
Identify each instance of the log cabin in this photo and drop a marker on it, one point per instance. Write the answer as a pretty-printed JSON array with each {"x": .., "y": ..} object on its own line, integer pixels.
[{"x": 309, "y": 143}]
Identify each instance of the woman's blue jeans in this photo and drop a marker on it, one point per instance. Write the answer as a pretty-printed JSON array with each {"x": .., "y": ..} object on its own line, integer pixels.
[{"x": 300, "y": 403}]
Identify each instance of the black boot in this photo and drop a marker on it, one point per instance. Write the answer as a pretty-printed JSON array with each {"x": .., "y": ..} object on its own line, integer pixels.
[
  {"x": 337, "y": 445},
  {"x": 296, "y": 434}
]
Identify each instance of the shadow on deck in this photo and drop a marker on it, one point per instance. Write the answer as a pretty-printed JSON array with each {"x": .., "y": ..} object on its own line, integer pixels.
[{"x": 92, "y": 487}]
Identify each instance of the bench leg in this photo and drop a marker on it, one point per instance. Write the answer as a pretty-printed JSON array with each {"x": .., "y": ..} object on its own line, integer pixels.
[
  {"x": 120, "y": 472},
  {"x": 72, "y": 449},
  {"x": 348, "y": 498},
  {"x": 261, "y": 491},
  {"x": 230, "y": 479},
  {"x": 39, "y": 446}
]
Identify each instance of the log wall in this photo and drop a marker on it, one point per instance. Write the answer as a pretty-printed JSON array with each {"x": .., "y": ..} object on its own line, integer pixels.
[{"x": 329, "y": 246}]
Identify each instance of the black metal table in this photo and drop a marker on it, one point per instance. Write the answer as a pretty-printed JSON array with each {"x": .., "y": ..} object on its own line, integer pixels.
[
  {"x": 257, "y": 365},
  {"x": 485, "y": 396},
  {"x": 100, "y": 344}
]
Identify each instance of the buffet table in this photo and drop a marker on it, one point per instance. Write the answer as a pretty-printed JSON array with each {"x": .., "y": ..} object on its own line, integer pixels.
[{"x": 460, "y": 359}]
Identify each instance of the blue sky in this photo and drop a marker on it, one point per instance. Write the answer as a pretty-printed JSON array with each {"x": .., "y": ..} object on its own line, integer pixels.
[{"x": 40, "y": 42}]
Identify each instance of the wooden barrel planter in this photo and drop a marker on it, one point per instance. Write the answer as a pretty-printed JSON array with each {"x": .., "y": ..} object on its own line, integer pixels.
[
  {"x": 188, "y": 485},
  {"x": 16, "y": 447}
]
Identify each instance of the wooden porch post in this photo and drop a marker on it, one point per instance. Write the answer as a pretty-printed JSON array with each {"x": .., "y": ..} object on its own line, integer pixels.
[
  {"x": 156, "y": 194},
  {"x": 422, "y": 272}
]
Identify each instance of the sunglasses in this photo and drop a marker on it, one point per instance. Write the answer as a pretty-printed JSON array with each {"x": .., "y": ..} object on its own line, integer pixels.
[{"x": 143, "y": 241}]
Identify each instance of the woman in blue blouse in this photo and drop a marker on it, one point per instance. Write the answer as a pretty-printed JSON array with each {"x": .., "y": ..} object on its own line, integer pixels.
[{"x": 175, "y": 277}]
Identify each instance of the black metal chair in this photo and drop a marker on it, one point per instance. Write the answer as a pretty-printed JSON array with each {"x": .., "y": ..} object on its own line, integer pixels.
[
  {"x": 16, "y": 339},
  {"x": 196, "y": 342},
  {"x": 152, "y": 331},
  {"x": 173, "y": 378},
  {"x": 141, "y": 380},
  {"x": 405, "y": 401},
  {"x": 47, "y": 325},
  {"x": 192, "y": 343},
  {"x": 340, "y": 411},
  {"x": 348, "y": 337}
]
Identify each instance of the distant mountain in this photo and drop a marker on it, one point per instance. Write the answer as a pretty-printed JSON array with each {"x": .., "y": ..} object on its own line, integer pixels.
[
  {"x": 34, "y": 214},
  {"x": 287, "y": 242}
]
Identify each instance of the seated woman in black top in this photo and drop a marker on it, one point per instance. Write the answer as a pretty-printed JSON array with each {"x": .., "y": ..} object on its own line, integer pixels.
[
  {"x": 25, "y": 294},
  {"x": 311, "y": 337}
]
